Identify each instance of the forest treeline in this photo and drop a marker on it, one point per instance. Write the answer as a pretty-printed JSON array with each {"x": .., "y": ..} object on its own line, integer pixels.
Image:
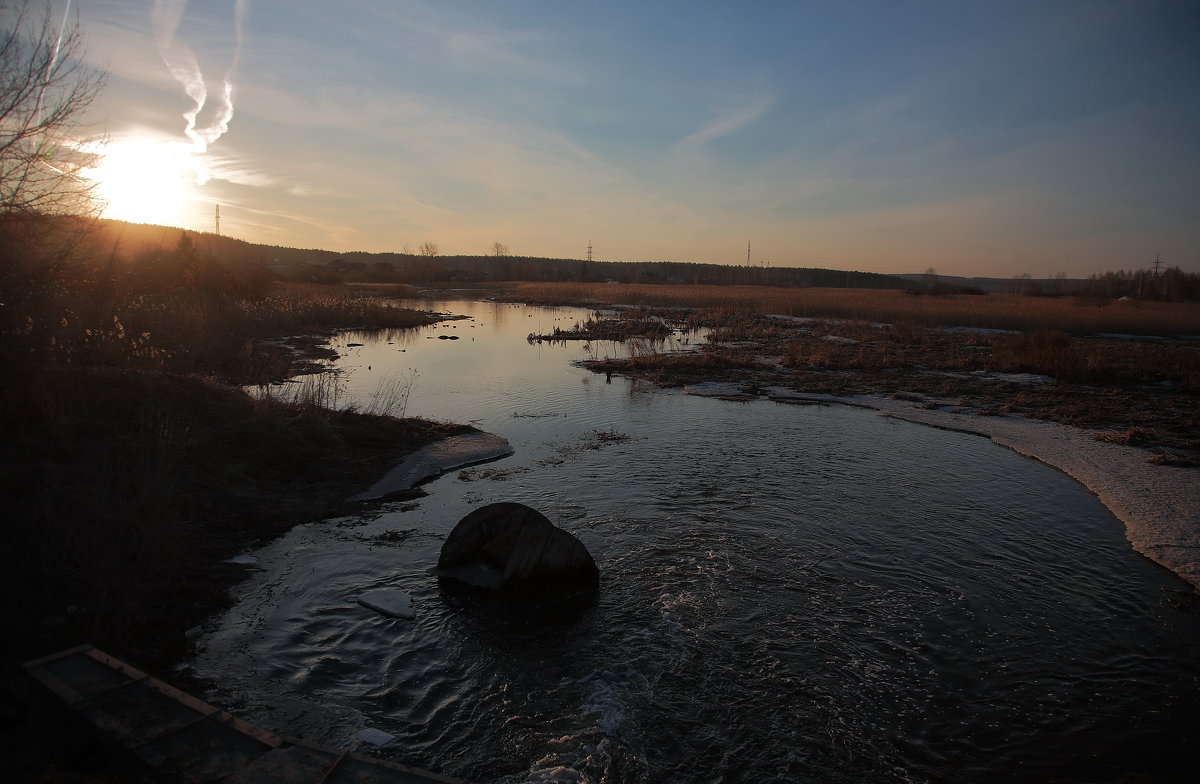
[
  {"x": 310, "y": 265},
  {"x": 323, "y": 266},
  {"x": 1167, "y": 285}
]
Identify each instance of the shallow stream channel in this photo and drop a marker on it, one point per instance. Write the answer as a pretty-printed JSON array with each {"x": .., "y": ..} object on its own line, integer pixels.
[{"x": 788, "y": 593}]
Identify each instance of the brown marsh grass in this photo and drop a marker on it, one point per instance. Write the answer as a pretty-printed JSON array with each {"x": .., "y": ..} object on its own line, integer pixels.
[
  {"x": 190, "y": 332},
  {"x": 990, "y": 311}
]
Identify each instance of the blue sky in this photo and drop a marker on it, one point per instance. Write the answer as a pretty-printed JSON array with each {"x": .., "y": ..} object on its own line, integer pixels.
[{"x": 978, "y": 138}]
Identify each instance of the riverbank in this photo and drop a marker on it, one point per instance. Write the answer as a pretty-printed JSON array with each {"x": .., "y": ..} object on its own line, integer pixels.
[{"x": 135, "y": 464}]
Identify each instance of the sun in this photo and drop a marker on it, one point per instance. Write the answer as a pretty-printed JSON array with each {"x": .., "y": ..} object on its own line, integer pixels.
[{"x": 144, "y": 180}]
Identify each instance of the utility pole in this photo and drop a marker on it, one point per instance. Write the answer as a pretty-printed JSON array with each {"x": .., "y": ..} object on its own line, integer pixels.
[{"x": 218, "y": 219}]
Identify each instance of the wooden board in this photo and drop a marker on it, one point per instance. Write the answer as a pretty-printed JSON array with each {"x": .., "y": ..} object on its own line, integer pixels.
[{"x": 179, "y": 735}]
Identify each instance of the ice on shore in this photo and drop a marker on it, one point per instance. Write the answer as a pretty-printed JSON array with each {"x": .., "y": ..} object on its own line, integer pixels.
[
  {"x": 436, "y": 459},
  {"x": 1158, "y": 504},
  {"x": 717, "y": 389}
]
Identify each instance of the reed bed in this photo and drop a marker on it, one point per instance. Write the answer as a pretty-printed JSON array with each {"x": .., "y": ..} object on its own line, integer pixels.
[
  {"x": 189, "y": 332},
  {"x": 989, "y": 311}
]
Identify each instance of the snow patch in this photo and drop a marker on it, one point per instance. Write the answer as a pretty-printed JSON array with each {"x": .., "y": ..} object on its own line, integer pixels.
[
  {"x": 1014, "y": 378},
  {"x": 716, "y": 389},
  {"x": 436, "y": 459},
  {"x": 793, "y": 319},
  {"x": 979, "y": 331}
]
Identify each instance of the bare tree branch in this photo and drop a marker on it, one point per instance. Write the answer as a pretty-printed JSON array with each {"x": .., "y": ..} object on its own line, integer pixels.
[{"x": 45, "y": 88}]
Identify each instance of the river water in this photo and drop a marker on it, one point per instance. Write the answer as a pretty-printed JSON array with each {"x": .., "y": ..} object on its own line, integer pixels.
[{"x": 788, "y": 593}]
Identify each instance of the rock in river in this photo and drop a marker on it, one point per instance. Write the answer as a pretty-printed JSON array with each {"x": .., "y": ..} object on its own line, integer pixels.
[{"x": 512, "y": 548}]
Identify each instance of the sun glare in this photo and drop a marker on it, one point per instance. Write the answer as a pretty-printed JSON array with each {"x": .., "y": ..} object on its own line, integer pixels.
[{"x": 144, "y": 181}]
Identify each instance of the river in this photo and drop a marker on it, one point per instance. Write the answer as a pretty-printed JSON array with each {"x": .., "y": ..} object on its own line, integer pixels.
[{"x": 788, "y": 593}]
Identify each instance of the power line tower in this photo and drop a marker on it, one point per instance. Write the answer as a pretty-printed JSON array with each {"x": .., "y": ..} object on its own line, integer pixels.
[
  {"x": 747, "y": 253},
  {"x": 583, "y": 268},
  {"x": 1157, "y": 265},
  {"x": 217, "y": 219}
]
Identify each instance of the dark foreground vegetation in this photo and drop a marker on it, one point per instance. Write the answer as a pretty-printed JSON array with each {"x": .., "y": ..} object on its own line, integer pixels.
[{"x": 133, "y": 463}]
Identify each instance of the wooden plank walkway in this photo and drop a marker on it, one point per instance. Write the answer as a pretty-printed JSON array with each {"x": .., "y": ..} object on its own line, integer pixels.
[{"x": 175, "y": 733}]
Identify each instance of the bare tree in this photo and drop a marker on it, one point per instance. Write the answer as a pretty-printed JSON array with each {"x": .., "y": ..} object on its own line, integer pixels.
[
  {"x": 428, "y": 249},
  {"x": 499, "y": 249},
  {"x": 45, "y": 88}
]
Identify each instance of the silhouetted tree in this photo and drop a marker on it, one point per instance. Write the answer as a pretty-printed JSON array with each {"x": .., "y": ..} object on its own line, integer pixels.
[{"x": 44, "y": 90}]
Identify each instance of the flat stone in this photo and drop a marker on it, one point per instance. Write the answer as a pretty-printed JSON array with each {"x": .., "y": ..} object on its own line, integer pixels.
[{"x": 387, "y": 601}]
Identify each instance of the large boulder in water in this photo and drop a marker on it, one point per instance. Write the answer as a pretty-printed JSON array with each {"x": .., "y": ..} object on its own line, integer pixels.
[{"x": 512, "y": 548}]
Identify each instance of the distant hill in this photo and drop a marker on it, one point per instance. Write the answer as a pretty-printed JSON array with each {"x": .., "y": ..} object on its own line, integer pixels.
[{"x": 131, "y": 240}]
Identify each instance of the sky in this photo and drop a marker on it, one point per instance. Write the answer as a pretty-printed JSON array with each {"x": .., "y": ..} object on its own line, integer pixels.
[{"x": 977, "y": 138}]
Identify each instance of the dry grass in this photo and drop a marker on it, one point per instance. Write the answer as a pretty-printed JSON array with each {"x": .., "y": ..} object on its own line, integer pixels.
[
  {"x": 598, "y": 327},
  {"x": 992, "y": 311},
  {"x": 184, "y": 333}
]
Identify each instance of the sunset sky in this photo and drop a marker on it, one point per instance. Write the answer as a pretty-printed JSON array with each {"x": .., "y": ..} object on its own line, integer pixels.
[{"x": 978, "y": 138}]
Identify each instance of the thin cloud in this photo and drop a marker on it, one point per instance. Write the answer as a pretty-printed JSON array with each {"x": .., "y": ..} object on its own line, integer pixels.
[
  {"x": 506, "y": 55},
  {"x": 728, "y": 122}
]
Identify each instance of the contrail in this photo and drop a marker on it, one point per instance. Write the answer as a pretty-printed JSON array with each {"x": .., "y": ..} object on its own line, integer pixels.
[
  {"x": 62, "y": 29},
  {"x": 181, "y": 62}
]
